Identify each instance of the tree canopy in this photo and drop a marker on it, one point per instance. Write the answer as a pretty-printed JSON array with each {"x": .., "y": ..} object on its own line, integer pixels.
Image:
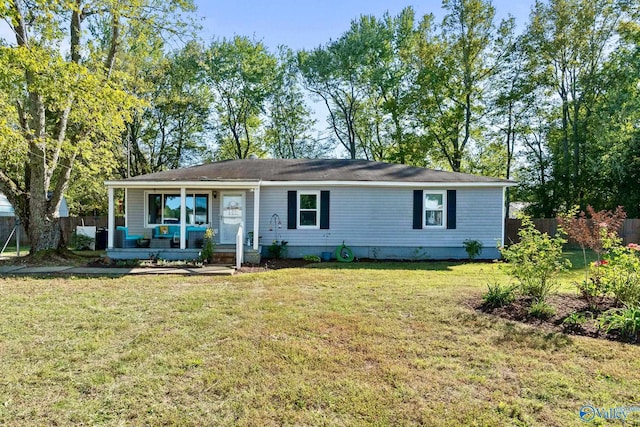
[{"x": 94, "y": 89}]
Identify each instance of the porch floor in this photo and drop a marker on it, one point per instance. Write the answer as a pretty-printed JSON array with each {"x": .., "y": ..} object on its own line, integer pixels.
[{"x": 223, "y": 254}]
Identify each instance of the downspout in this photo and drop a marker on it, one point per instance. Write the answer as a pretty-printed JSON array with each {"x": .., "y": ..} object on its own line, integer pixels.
[{"x": 256, "y": 216}]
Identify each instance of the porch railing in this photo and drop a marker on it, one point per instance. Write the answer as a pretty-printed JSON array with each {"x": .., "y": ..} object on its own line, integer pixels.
[{"x": 239, "y": 247}]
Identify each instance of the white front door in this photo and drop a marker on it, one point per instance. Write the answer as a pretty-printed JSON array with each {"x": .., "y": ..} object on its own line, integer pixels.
[{"x": 231, "y": 215}]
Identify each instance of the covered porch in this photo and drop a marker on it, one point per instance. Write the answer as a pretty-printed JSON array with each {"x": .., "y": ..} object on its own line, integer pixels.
[{"x": 168, "y": 219}]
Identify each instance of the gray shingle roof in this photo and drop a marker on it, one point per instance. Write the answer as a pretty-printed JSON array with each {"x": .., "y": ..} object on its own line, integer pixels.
[{"x": 311, "y": 170}]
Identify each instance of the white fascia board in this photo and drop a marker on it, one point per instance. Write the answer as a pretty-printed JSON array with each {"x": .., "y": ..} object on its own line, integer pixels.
[
  {"x": 186, "y": 184},
  {"x": 385, "y": 184},
  {"x": 254, "y": 184}
]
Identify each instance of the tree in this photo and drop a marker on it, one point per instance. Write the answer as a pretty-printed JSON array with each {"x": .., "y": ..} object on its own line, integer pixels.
[
  {"x": 388, "y": 77},
  {"x": 568, "y": 42},
  {"x": 173, "y": 125},
  {"x": 289, "y": 123},
  {"x": 455, "y": 65},
  {"x": 241, "y": 73},
  {"x": 511, "y": 105},
  {"x": 331, "y": 74},
  {"x": 63, "y": 108},
  {"x": 613, "y": 161}
]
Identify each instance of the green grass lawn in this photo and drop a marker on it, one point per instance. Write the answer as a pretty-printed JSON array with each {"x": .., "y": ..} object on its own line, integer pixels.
[{"x": 360, "y": 344}]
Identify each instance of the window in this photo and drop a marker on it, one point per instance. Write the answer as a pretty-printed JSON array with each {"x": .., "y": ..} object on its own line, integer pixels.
[
  {"x": 165, "y": 208},
  {"x": 308, "y": 209},
  {"x": 434, "y": 209}
]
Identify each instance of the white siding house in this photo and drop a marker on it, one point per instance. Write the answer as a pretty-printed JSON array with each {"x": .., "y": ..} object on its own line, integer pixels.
[
  {"x": 6, "y": 209},
  {"x": 378, "y": 210}
]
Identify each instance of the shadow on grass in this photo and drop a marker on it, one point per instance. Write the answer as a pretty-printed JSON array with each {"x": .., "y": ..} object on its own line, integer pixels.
[
  {"x": 389, "y": 265},
  {"x": 539, "y": 340},
  {"x": 46, "y": 277}
]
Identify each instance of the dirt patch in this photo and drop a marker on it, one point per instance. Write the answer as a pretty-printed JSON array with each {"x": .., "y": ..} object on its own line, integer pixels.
[
  {"x": 51, "y": 258},
  {"x": 564, "y": 306}
]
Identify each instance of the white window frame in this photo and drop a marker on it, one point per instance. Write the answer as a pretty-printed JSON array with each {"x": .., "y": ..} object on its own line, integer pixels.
[
  {"x": 191, "y": 193},
  {"x": 317, "y": 210},
  {"x": 443, "y": 193}
]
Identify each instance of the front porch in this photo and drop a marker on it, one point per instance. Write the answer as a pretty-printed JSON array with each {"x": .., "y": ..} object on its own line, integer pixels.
[
  {"x": 223, "y": 254},
  {"x": 171, "y": 218}
]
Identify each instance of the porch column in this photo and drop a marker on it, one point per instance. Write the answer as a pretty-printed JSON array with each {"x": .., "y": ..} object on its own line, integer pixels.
[
  {"x": 111, "y": 225},
  {"x": 256, "y": 217},
  {"x": 183, "y": 218},
  {"x": 126, "y": 207}
]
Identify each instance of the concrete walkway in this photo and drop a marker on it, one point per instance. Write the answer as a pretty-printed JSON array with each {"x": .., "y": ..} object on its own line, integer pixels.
[{"x": 20, "y": 270}]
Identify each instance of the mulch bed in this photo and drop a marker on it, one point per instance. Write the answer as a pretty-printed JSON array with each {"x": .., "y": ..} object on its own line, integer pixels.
[{"x": 564, "y": 305}]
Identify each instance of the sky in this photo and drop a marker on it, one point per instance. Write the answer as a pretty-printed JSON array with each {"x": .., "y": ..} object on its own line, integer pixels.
[{"x": 306, "y": 24}]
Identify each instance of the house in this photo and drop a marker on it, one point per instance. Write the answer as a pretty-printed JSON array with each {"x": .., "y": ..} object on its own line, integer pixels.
[
  {"x": 379, "y": 210},
  {"x": 6, "y": 209}
]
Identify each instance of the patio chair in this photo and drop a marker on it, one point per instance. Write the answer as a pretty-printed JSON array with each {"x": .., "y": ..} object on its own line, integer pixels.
[{"x": 122, "y": 238}]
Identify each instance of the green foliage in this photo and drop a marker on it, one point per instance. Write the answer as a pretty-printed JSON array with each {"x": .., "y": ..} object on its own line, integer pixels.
[
  {"x": 311, "y": 258},
  {"x": 81, "y": 242},
  {"x": 498, "y": 296},
  {"x": 241, "y": 73},
  {"x": 169, "y": 130},
  {"x": 582, "y": 132},
  {"x": 593, "y": 289},
  {"x": 456, "y": 65},
  {"x": 541, "y": 310},
  {"x": 278, "y": 249},
  {"x": 575, "y": 320},
  {"x": 208, "y": 246},
  {"x": 70, "y": 97},
  {"x": 290, "y": 122},
  {"x": 473, "y": 248},
  {"x": 615, "y": 272},
  {"x": 535, "y": 261},
  {"x": 128, "y": 263},
  {"x": 620, "y": 274},
  {"x": 625, "y": 322},
  {"x": 595, "y": 233}
]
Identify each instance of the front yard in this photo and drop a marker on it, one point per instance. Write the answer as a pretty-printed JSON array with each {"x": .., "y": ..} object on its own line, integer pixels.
[{"x": 359, "y": 344}]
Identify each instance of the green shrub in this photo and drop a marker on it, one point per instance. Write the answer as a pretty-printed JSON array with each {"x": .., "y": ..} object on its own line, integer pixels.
[
  {"x": 593, "y": 289},
  {"x": 575, "y": 320},
  {"x": 498, "y": 296},
  {"x": 620, "y": 273},
  {"x": 541, "y": 310},
  {"x": 473, "y": 248},
  {"x": 625, "y": 322},
  {"x": 80, "y": 242},
  {"x": 311, "y": 258},
  {"x": 278, "y": 249},
  {"x": 208, "y": 246},
  {"x": 535, "y": 261}
]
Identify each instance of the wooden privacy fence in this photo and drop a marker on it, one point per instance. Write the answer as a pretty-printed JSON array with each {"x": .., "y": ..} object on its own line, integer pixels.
[
  {"x": 68, "y": 226},
  {"x": 629, "y": 232}
]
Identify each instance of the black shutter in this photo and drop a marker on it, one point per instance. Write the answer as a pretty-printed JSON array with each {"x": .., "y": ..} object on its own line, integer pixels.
[
  {"x": 292, "y": 210},
  {"x": 417, "y": 210},
  {"x": 324, "y": 210},
  {"x": 451, "y": 209}
]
